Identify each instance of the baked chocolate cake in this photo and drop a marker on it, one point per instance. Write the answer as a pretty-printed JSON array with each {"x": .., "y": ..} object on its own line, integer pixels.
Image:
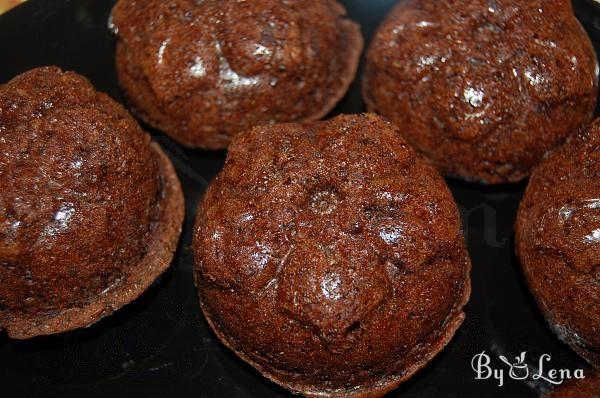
[
  {"x": 558, "y": 241},
  {"x": 483, "y": 88},
  {"x": 589, "y": 387},
  {"x": 202, "y": 71},
  {"x": 90, "y": 209},
  {"x": 329, "y": 256}
]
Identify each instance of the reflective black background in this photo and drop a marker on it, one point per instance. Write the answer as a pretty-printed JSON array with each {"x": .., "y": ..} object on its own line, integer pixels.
[{"x": 160, "y": 345}]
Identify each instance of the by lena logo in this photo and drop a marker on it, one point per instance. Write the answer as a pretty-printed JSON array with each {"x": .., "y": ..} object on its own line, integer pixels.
[{"x": 520, "y": 370}]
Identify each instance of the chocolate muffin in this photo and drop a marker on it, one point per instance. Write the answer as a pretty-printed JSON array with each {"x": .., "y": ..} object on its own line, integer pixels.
[
  {"x": 483, "y": 88},
  {"x": 558, "y": 241},
  {"x": 329, "y": 256},
  {"x": 90, "y": 209},
  {"x": 589, "y": 387},
  {"x": 202, "y": 71}
]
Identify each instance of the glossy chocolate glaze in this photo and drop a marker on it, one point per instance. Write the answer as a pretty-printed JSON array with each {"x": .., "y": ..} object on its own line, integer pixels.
[
  {"x": 81, "y": 199},
  {"x": 204, "y": 71},
  {"x": 330, "y": 256},
  {"x": 483, "y": 88},
  {"x": 558, "y": 241}
]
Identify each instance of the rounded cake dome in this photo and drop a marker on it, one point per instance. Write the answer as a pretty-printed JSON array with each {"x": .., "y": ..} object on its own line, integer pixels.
[
  {"x": 330, "y": 256},
  {"x": 91, "y": 209},
  {"x": 484, "y": 89},
  {"x": 558, "y": 240},
  {"x": 203, "y": 71}
]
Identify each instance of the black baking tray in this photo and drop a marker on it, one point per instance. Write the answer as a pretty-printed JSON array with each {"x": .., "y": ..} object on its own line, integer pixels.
[{"x": 160, "y": 345}]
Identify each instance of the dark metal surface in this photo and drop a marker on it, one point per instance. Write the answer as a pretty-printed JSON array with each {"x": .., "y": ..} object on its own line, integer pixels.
[{"x": 160, "y": 345}]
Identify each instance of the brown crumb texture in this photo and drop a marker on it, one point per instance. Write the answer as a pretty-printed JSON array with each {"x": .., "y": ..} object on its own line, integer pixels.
[
  {"x": 84, "y": 222},
  {"x": 558, "y": 241},
  {"x": 329, "y": 255},
  {"x": 483, "y": 88},
  {"x": 204, "y": 71}
]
